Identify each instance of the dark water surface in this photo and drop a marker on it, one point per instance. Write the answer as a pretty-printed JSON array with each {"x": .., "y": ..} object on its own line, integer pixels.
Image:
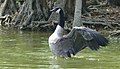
[{"x": 29, "y": 50}]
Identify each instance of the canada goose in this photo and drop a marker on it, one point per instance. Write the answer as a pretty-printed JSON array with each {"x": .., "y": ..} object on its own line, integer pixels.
[{"x": 75, "y": 41}]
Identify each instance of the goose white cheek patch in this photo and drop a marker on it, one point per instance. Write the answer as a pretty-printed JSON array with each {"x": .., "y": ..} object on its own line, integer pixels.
[{"x": 58, "y": 11}]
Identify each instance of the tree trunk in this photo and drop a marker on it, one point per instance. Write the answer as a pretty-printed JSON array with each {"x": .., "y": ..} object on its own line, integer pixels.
[
  {"x": 31, "y": 10},
  {"x": 7, "y": 10},
  {"x": 3, "y": 7},
  {"x": 8, "y": 7},
  {"x": 77, "y": 14}
]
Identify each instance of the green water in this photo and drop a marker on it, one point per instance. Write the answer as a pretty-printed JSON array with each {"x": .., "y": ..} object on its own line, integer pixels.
[{"x": 29, "y": 50}]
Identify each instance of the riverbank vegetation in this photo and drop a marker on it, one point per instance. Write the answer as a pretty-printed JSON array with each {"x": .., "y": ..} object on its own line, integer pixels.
[{"x": 35, "y": 15}]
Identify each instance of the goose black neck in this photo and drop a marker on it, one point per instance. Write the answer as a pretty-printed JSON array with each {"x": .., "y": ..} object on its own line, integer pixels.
[{"x": 61, "y": 19}]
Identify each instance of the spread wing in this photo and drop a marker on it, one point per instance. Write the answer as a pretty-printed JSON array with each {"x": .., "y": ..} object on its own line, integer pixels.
[{"x": 80, "y": 38}]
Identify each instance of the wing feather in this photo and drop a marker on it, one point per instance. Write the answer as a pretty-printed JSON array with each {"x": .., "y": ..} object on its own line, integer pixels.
[
  {"x": 78, "y": 39},
  {"x": 102, "y": 41}
]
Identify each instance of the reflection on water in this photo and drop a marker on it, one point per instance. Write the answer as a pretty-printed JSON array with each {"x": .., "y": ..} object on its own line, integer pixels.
[{"x": 29, "y": 50}]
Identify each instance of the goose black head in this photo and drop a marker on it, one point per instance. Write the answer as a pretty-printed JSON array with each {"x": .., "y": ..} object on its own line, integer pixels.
[
  {"x": 56, "y": 9},
  {"x": 61, "y": 17}
]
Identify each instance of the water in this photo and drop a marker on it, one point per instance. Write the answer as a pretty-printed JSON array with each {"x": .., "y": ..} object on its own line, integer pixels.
[{"x": 29, "y": 50}]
